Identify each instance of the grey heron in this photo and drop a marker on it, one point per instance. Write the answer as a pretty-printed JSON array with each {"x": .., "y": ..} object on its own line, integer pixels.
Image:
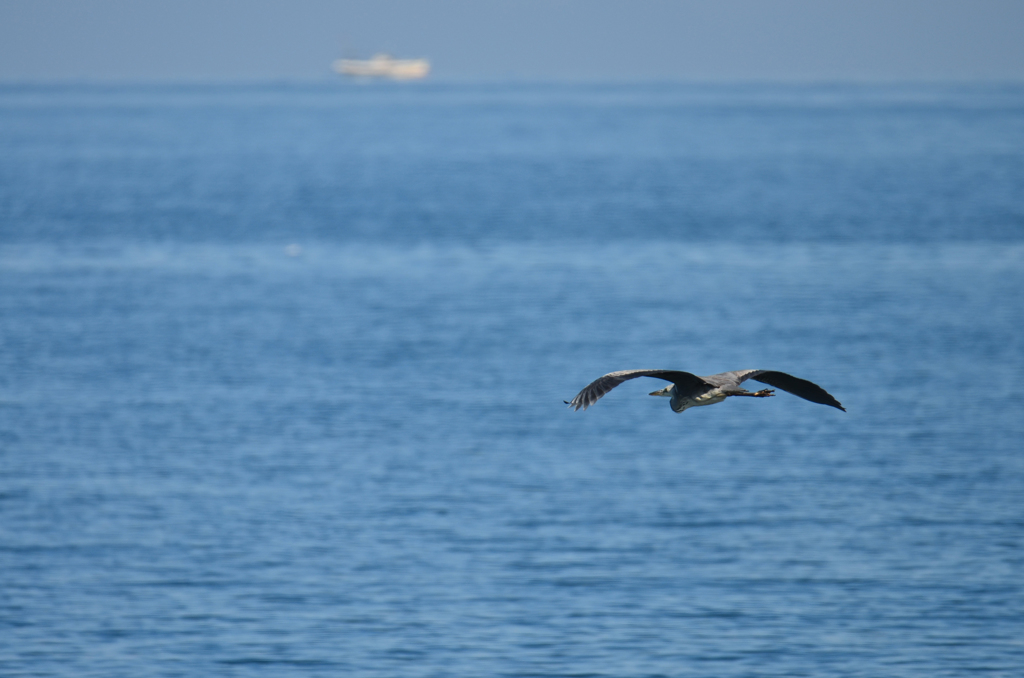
[{"x": 688, "y": 390}]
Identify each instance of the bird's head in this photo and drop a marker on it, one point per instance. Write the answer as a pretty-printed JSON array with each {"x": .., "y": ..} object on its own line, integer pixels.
[{"x": 667, "y": 391}]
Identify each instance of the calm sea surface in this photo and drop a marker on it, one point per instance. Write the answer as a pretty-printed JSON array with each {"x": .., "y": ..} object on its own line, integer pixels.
[{"x": 282, "y": 370}]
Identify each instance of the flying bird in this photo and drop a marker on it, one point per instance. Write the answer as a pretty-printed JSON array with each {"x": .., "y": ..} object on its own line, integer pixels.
[{"x": 688, "y": 390}]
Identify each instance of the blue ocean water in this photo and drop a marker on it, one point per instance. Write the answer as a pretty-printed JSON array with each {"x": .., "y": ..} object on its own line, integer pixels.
[{"x": 282, "y": 370}]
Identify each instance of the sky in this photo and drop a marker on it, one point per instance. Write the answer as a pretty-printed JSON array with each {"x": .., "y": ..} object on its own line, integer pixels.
[{"x": 759, "y": 40}]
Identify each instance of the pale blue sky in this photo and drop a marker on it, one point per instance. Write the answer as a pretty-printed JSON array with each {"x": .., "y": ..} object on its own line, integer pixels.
[{"x": 530, "y": 39}]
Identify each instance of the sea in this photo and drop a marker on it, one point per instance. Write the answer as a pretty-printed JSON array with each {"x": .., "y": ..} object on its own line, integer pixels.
[{"x": 282, "y": 371}]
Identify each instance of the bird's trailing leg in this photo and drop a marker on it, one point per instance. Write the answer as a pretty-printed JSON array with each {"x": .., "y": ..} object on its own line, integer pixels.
[{"x": 763, "y": 393}]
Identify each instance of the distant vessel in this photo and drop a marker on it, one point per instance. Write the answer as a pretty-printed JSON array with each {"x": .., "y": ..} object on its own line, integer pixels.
[{"x": 384, "y": 66}]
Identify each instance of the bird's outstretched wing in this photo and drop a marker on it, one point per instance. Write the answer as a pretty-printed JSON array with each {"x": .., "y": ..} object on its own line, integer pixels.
[
  {"x": 597, "y": 388},
  {"x": 787, "y": 382}
]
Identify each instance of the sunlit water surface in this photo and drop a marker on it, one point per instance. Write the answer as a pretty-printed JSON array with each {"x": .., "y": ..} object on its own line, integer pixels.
[{"x": 282, "y": 370}]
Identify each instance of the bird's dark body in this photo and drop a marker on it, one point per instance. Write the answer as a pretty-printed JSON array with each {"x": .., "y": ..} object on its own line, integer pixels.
[{"x": 688, "y": 390}]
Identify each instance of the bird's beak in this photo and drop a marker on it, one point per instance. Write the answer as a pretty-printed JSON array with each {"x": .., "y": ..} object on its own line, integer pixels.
[{"x": 659, "y": 393}]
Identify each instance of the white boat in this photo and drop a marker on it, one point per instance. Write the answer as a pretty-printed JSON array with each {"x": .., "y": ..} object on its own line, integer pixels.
[{"x": 384, "y": 66}]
